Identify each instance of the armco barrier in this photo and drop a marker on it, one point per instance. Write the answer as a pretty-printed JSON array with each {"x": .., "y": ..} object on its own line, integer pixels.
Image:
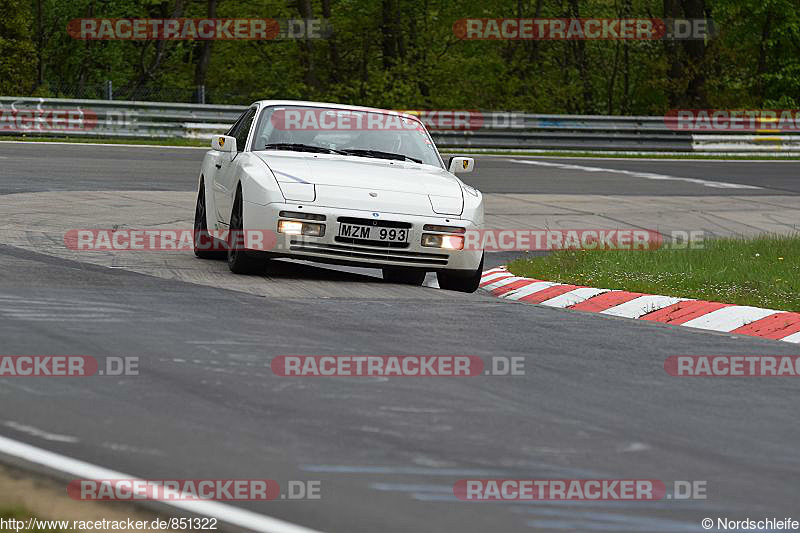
[{"x": 132, "y": 119}]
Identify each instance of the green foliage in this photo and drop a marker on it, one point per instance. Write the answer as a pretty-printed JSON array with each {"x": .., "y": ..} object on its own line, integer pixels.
[
  {"x": 404, "y": 54},
  {"x": 16, "y": 48}
]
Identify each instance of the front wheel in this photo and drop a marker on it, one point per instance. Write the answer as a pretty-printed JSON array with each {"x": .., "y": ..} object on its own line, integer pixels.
[
  {"x": 205, "y": 246},
  {"x": 405, "y": 276},
  {"x": 238, "y": 260},
  {"x": 457, "y": 281}
]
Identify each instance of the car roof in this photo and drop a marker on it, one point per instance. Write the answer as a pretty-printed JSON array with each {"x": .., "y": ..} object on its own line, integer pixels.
[{"x": 266, "y": 103}]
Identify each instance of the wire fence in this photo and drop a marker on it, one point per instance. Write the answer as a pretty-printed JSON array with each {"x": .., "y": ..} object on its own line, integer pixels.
[{"x": 108, "y": 91}]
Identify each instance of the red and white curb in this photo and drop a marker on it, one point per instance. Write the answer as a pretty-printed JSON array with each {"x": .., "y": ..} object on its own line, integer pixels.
[{"x": 715, "y": 316}]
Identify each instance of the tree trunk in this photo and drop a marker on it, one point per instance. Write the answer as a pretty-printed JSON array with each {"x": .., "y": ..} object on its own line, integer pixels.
[
  {"x": 673, "y": 53},
  {"x": 333, "y": 49},
  {"x": 761, "y": 69},
  {"x": 39, "y": 44},
  {"x": 307, "y": 48},
  {"x": 695, "y": 57},
  {"x": 201, "y": 68},
  {"x": 579, "y": 48},
  {"x": 87, "y": 64},
  {"x": 535, "y": 42},
  {"x": 625, "y": 108},
  {"x": 389, "y": 33}
]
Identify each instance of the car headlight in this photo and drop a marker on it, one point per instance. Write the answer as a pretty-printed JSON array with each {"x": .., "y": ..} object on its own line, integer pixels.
[
  {"x": 444, "y": 229},
  {"x": 294, "y": 227},
  {"x": 448, "y": 242},
  {"x": 301, "y": 216}
]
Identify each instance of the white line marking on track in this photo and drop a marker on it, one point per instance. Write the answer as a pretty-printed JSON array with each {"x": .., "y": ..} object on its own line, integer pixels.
[
  {"x": 633, "y": 173},
  {"x": 529, "y": 289},
  {"x": 431, "y": 281},
  {"x": 642, "y": 305},
  {"x": 573, "y": 297},
  {"x": 794, "y": 337},
  {"x": 225, "y": 513},
  {"x": 402, "y": 470},
  {"x": 495, "y": 276},
  {"x": 502, "y": 282},
  {"x": 40, "y": 433},
  {"x": 769, "y": 157},
  {"x": 729, "y": 318},
  {"x": 636, "y": 447}
]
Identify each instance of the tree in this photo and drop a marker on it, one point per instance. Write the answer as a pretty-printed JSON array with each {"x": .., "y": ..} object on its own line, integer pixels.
[{"x": 17, "y": 67}]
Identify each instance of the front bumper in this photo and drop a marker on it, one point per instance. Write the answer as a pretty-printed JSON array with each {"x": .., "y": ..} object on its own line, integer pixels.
[{"x": 327, "y": 249}]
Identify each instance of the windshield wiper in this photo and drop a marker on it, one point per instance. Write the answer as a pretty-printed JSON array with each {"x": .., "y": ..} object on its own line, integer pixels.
[
  {"x": 379, "y": 154},
  {"x": 302, "y": 148}
]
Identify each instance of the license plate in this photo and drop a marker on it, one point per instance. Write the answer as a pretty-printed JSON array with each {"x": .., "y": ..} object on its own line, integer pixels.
[{"x": 373, "y": 233}]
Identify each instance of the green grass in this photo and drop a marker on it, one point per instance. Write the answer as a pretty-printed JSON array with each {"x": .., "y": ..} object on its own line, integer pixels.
[
  {"x": 762, "y": 271},
  {"x": 18, "y": 513},
  {"x": 744, "y": 157},
  {"x": 154, "y": 141}
]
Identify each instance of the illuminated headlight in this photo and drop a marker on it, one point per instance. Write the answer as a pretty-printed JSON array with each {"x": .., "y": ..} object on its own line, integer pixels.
[
  {"x": 448, "y": 242},
  {"x": 293, "y": 227}
]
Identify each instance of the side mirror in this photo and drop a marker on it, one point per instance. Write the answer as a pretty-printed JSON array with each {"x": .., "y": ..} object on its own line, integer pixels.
[
  {"x": 461, "y": 165},
  {"x": 223, "y": 143}
]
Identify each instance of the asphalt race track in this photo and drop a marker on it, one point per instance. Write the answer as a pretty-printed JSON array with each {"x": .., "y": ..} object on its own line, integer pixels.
[
  {"x": 595, "y": 401},
  {"x": 174, "y": 169}
]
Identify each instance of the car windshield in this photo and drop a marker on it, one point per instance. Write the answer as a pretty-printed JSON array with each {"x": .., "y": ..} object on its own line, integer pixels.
[{"x": 347, "y": 132}]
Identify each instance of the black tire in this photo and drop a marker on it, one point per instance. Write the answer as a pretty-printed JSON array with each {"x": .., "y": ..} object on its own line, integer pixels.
[
  {"x": 238, "y": 259},
  {"x": 205, "y": 246},
  {"x": 405, "y": 276},
  {"x": 457, "y": 281}
]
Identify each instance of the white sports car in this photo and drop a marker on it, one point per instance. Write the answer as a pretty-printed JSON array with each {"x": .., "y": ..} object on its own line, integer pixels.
[{"x": 338, "y": 184}]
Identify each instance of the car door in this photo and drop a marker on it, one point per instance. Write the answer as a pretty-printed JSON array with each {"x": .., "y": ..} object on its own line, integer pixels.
[{"x": 224, "y": 183}]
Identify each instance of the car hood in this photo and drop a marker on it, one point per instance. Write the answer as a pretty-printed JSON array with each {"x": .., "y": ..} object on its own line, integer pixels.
[{"x": 361, "y": 173}]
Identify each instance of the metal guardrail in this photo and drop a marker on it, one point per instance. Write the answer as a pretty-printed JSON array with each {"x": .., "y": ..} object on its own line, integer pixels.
[
  {"x": 498, "y": 130},
  {"x": 114, "y": 118}
]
